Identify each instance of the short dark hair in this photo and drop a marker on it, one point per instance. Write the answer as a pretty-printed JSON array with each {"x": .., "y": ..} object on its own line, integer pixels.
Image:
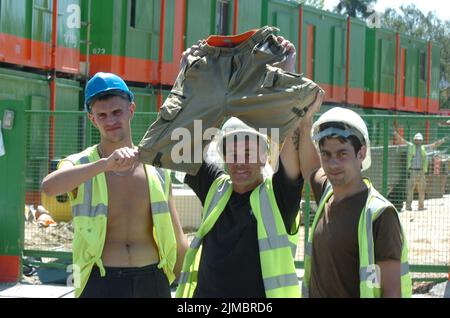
[
  {"x": 352, "y": 139},
  {"x": 106, "y": 96}
]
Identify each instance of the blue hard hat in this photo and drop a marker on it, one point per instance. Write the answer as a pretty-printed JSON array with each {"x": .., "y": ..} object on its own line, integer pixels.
[{"x": 104, "y": 84}]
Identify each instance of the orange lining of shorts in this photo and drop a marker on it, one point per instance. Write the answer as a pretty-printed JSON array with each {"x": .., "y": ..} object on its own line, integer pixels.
[{"x": 229, "y": 40}]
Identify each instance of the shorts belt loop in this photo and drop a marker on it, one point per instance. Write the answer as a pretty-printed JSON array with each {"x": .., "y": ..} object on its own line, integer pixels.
[
  {"x": 267, "y": 32},
  {"x": 255, "y": 39},
  {"x": 271, "y": 30},
  {"x": 253, "y": 43},
  {"x": 216, "y": 52}
]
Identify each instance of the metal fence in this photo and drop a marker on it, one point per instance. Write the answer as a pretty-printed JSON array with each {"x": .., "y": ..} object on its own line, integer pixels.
[{"x": 54, "y": 136}]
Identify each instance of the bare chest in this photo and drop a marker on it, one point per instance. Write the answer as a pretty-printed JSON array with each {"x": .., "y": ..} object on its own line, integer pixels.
[
  {"x": 129, "y": 235},
  {"x": 128, "y": 197}
]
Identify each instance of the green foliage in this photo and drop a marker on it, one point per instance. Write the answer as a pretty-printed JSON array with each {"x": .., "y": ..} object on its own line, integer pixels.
[
  {"x": 319, "y": 4},
  {"x": 355, "y": 8}
]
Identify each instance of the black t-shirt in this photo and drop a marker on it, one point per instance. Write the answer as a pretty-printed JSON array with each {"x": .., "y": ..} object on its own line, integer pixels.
[{"x": 230, "y": 264}]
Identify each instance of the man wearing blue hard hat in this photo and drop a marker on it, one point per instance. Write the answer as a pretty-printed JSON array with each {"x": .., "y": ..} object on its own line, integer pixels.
[{"x": 128, "y": 240}]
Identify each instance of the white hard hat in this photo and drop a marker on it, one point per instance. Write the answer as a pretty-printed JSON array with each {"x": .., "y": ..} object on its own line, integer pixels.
[
  {"x": 418, "y": 136},
  {"x": 235, "y": 126},
  {"x": 353, "y": 123}
]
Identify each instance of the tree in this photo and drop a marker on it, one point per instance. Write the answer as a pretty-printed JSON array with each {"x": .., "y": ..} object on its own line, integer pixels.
[
  {"x": 355, "y": 8},
  {"x": 319, "y": 4}
]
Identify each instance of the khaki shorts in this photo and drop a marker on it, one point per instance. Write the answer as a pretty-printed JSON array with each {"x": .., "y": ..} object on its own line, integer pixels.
[{"x": 244, "y": 80}]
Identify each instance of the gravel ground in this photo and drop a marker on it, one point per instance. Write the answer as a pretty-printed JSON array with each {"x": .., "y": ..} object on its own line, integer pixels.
[
  {"x": 56, "y": 238},
  {"x": 428, "y": 234}
]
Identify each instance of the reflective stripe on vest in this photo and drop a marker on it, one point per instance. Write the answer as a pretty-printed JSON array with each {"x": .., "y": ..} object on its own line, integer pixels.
[
  {"x": 370, "y": 278},
  {"x": 215, "y": 203},
  {"x": 164, "y": 235},
  {"x": 163, "y": 175},
  {"x": 86, "y": 208},
  {"x": 376, "y": 204},
  {"x": 273, "y": 240},
  {"x": 89, "y": 220},
  {"x": 280, "y": 280},
  {"x": 90, "y": 211}
]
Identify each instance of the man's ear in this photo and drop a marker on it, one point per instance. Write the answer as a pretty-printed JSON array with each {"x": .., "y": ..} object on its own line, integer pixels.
[
  {"x": 132, "y": 109},
  {"x": 263, "y": 155},
  {"x": 362, "y": 153},
  {"x": 92, "y": 119}
]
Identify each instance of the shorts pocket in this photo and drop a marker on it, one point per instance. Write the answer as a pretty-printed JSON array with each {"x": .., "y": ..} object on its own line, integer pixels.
[
  {"x": 276, "y": 77},
  {"x": 193, "y": 65},
  {"x": 172, "y": 106}
]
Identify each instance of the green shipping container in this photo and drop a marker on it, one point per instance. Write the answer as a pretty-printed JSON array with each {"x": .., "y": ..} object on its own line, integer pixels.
[
  {"x": 26, "y": 34},
  {"x": 281, "y": 14},
  {"x": 380, "y": 68},
  {"x": 250, "y": 15},
  {"x": 324, "y": 51},
  {"x": 434, "y": 103},
  {"x": 33, "y": 91},
  {"x": 413, "y": 74},
  {"x": 125, "y": 39},
  {"x": 357, "y": 57},
  {"x": 200, "y": 20},
  {"x": 12, "y": 193}
]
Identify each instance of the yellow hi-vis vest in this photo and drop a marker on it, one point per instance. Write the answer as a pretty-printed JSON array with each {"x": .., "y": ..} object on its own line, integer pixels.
[
  {"x": 369, "y": 286},
  {"x": 412, "y": 152},
  {"x": 90, "y": 211},
  {"x": 276, "y": 247}
]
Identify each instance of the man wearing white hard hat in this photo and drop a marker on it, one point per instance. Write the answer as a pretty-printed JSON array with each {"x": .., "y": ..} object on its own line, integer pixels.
[
  {"x": 417, "y": 166},
  {"x": 356, "y": 246},
  {"x": 245, "y": 245},
  {"x": 417, "y": 163}
]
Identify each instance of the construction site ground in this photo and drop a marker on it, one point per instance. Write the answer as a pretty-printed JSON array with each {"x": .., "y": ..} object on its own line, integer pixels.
[{"x": 428, "y": 234}]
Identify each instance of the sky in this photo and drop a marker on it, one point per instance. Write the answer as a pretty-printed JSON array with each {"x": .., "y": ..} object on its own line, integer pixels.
[{"x": 441, "y": 7}]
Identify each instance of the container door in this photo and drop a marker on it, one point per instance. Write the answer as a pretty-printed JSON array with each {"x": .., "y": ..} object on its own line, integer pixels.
[
  {"x": 402, "y": 77},
  {"x": 12, "y": 189},
  {"x": 311, "y": 41}
]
